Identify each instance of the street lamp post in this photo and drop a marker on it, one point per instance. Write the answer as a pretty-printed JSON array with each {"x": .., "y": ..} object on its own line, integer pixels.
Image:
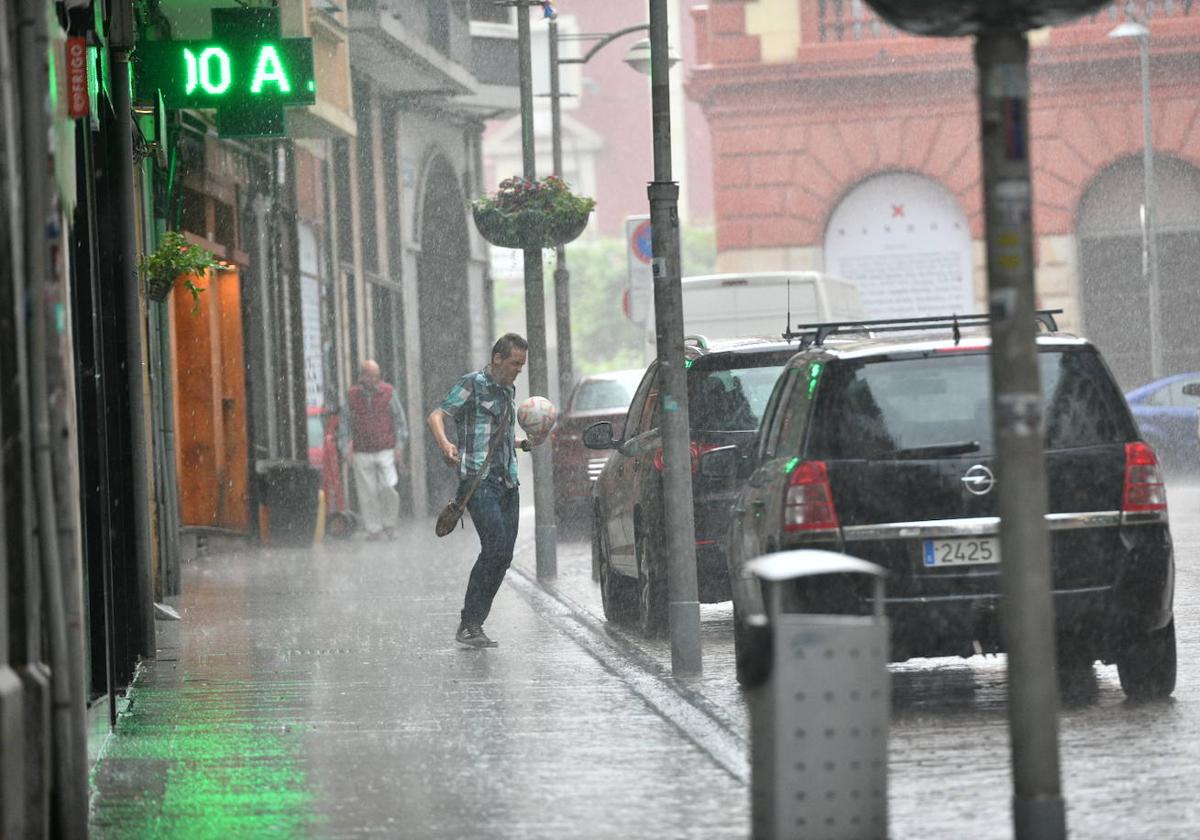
[
  {"x": 545, "y": 529},
  {"x": 1139, "y": 32},
  {"x": 663, "y": 192},
  {"x": 656, "y": 57},
  {"x": 562, "y": 276}
]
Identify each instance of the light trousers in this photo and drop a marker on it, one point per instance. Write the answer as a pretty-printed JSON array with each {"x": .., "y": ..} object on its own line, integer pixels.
[{"x": 375, "y": 477}]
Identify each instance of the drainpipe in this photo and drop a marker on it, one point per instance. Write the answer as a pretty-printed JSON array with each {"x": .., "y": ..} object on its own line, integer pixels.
[
  {"x": 32, "y": 52},
  {"x": 121, "y": 40},
  {"x": 26, "y": 649},
  {"x": 14, "y": 773}
]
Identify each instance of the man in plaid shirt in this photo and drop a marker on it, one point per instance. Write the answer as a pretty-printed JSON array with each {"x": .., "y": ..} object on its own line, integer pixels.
[{"x": 482, "y": 406}]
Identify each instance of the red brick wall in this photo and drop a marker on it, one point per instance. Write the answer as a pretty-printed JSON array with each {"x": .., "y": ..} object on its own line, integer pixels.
[{"x": 790, "y": 139}]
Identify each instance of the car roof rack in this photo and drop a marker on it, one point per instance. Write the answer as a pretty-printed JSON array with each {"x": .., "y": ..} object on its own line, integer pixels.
[{"x": 815, "y": 334}]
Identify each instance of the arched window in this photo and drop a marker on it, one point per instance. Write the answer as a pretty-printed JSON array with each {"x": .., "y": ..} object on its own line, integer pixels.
[
  {"x": 1114, "y": 291},
  {"x": 906, "y": 242}
]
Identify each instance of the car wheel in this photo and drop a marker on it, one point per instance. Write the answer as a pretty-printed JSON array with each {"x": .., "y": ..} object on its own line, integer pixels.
[
  {"x": 339, "y": 526},
  {"x": 615, "y": 594},
  {"x": 1074, "y": 655},
  {"x": 1147, "y": 665},
  {"x": 652, "y": 592}
]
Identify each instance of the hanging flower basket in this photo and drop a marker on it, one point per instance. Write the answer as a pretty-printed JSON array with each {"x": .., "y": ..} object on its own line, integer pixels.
[
  {"x": 159, "y": 286},
  {"x": 175, "y": 259},
  {"x": 532, "y": 214}
]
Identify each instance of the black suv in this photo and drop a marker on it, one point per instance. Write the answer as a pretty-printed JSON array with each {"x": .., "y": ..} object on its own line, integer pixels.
[
  {"x": 728, "y": 385},
  {"x": 881, "y": 447}
]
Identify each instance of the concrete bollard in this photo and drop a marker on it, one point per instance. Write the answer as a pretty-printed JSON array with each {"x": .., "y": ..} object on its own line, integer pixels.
[{"x": 819, "y": 718}]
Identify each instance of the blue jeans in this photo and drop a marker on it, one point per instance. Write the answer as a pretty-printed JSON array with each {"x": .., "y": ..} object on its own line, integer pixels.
[{"x": 495, "y": 510}]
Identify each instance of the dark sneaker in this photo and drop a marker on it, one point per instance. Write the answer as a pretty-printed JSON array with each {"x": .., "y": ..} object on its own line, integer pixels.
[{"x": 472, "y": 635}]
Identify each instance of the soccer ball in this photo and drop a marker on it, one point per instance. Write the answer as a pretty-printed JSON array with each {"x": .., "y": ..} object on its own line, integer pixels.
[{"x": 536, "y": 416}]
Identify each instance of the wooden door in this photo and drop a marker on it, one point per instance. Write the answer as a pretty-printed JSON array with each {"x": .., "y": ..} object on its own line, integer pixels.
[{"x": 211, "y": 450}]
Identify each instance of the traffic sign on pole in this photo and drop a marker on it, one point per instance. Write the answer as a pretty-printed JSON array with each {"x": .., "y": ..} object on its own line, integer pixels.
[{"x": 639, "y": 250}]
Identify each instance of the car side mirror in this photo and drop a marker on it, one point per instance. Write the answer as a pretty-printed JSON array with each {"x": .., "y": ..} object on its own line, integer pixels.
[
  {"x": 720, "y": 463},
  {"x": 1192, "y": 389},
  {"x": 599, "y": 436}
]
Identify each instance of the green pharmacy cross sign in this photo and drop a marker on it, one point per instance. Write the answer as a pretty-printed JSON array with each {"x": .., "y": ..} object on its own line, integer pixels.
[{"x": 246, "y": 71}]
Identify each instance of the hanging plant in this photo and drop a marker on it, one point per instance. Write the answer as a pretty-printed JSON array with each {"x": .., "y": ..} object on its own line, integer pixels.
[
  {"x": 175, "y": 260},
  {"x": 532, "y": 214}
]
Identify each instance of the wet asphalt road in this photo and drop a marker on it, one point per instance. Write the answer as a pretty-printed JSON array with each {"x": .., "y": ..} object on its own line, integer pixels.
[
  {"x": 319, "y": 694},
  {"x": 1129, "y": 771}
]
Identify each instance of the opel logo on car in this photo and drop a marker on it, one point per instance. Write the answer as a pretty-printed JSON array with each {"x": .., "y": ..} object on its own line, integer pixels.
[{"x": 979, "y": 480}]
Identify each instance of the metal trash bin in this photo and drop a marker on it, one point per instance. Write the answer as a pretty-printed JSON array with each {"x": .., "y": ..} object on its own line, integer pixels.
[
  {"x": 819, "y": 718},
  {"x": 289, "y": 491}
]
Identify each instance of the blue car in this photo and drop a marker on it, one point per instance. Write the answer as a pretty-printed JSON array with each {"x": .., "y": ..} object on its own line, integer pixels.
[{"x": 1166, "y": 411}]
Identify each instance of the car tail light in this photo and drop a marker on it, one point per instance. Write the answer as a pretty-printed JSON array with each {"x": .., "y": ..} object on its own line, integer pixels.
[
  {"x": 808, "y": 505},
  {"x": 1144, "y": 489},
  {"x": 698, "y": 449}
]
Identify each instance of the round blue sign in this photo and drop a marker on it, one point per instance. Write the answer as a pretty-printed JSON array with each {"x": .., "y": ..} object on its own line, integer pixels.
[{"x": 641, "y": 241}]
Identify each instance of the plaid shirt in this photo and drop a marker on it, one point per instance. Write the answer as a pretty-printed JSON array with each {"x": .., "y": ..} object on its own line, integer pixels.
[{"x": 477, "y": 403}]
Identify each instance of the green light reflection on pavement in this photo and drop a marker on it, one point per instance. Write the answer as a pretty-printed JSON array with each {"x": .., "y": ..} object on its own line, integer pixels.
[{"x": 228, "y": 769}]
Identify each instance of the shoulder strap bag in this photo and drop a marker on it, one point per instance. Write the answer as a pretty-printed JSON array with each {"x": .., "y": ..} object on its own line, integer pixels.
[{"x": 451, "y": 513}]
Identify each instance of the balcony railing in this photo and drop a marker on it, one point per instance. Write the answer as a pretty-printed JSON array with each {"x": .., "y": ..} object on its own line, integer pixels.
[{"x": 853, "y": 20}]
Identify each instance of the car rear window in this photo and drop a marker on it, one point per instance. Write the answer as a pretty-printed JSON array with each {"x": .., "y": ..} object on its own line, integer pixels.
[
  {"x": 730, "y": 400},
  {"x": 941, "y": 406},
  {"x": 601, "y": 394}
]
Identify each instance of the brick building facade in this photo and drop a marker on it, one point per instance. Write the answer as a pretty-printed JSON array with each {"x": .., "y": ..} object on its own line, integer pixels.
[{"x": 841, "y": 144}]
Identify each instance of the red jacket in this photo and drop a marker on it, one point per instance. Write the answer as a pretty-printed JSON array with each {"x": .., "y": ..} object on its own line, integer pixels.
[{"x": 372, "y": 427}]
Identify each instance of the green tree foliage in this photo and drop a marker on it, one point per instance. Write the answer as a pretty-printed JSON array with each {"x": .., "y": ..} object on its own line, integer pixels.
[{"x": 603, "y": 338}]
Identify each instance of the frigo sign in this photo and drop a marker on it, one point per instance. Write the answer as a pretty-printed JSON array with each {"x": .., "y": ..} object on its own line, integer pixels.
[{"x": 78, "y": 101}]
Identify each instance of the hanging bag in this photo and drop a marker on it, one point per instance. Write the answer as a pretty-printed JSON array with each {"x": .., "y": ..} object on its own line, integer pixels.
[{"x": 451, "y": 513}]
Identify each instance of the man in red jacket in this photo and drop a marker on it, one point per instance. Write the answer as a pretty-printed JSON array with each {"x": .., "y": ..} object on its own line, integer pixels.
[{"x": 373, "y": 420}]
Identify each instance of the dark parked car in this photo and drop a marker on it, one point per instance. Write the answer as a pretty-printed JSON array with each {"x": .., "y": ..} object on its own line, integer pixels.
[
  {"x": 728, "y": 385},
  {"x": 601, "y": 396},
  {"x": 882, "y": 448},
  {"x": 1166, "y": 414}
]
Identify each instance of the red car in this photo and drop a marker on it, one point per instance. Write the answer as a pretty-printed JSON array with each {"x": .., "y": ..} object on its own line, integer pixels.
[{"x": 601, "y": 396}]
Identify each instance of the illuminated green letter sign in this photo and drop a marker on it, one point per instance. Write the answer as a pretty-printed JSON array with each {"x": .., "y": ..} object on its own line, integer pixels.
[{"x": 246, "y": 71}]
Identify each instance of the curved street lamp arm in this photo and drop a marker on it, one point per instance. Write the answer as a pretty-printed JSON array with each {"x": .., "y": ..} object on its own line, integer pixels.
[{"x": 605, "y": 41}]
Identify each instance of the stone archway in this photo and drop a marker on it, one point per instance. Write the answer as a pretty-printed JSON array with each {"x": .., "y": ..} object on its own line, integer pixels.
[
  {"x": 906, "y": 242},
  {"x": 442, "y": 300},
  {"x": 1113, "y": 293}
]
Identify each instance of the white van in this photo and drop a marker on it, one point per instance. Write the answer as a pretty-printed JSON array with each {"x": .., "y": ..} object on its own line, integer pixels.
[{"x": 757, "y": 303}]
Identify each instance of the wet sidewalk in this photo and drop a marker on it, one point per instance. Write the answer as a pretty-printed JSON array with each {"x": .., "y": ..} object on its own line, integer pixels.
[{"x": 321, "y": 694}]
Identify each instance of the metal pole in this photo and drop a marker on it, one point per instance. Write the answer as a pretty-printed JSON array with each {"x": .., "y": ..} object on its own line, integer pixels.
[
  {"x": 1150, "y": 251},
  {"x": 121, "y": 45},
  {"x": 545, "y": 531},
  {"x": 668, "y": 307},
  {"x": 101, "y": 542},
  {"x": 562, "y": 277},
  {"x": 1027, "y": 615}
]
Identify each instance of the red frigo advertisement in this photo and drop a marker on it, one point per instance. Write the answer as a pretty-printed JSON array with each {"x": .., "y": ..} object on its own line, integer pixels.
[{"x": 77, "y": 78}]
